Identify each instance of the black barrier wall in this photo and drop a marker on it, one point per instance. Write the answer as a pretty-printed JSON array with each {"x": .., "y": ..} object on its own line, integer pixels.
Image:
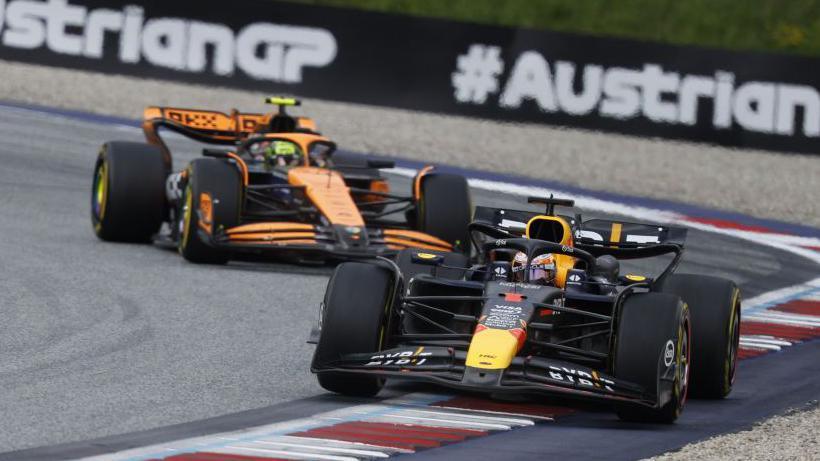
[{"x": 729, "y": 98}]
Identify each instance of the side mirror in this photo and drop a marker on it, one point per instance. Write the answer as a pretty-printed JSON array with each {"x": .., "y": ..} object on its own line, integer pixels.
[
  {"x": 379, "y": 164},
  {"x": 427, "y": 259}
]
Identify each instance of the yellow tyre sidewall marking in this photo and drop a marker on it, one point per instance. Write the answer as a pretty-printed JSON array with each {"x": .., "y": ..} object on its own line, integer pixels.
[
  {"x": 101, "y": 195},
  {"x": 187, "y": 214},
  {"x": 727, "y": 366},
  {"x": 102, "y": 189}
]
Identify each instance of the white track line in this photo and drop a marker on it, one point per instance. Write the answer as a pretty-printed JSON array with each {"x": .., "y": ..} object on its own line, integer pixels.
[
  {"x": 757, "y": 345},
  {"x": 805, "y": 290},
  {"x": 461, "y": 415},
  {"x": 764, "y": 340},
  {"x": 310, "y": 444},
  {"x": 398, "y": 418},
  {"x": 771, "y": 317}
]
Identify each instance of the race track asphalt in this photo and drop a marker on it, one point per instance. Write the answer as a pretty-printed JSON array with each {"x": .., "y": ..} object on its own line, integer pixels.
[{"x": 99, "y": 339}]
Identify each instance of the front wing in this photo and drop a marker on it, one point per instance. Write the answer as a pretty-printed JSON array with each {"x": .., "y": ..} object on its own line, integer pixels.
[
  {"x": 329, "y": 241},
  {"x": 526, "y": 375}
]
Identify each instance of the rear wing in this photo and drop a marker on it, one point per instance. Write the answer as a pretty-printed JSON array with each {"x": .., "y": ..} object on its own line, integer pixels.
[
  {"x": 628, "y": 239},
  {"x": 202, "y": 125},
  {"x": 513, "y": 222},
  {"x": 213, "y": 127},
  {"x": 621, "y": 239}
]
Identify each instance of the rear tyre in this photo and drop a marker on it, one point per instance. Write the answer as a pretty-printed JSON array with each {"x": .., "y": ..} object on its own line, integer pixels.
[
  {"x": 353, "y": 321},
  {"x": 218, "y": 181},
  {"x": 128, "y": 192},
  {"x": 653, "y": 341},
  {"x": 444, "y": 209},
  {"x": 715, "y": 306}
]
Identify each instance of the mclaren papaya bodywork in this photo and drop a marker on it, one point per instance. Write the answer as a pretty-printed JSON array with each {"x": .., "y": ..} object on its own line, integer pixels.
[{"x": 278, "y": 186}]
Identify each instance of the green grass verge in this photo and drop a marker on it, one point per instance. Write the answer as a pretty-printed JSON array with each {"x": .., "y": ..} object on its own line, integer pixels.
[{"x": 783, "y": 26}]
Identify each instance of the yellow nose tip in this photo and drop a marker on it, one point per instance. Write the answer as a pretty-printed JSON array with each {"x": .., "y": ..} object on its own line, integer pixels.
[{"x": 492, "y": 349}]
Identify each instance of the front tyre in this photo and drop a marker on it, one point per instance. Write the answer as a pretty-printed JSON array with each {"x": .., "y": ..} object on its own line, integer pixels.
[
  {"x": 128, "y": 192},
  {"x": 653, "y": 349},
  {"x": 211, "y": 202},
  {"x": 354, "y": 320}
]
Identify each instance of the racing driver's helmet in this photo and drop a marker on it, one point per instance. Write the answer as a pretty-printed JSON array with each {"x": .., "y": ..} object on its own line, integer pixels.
[
  {"x": 541, "y": 269},
  {"x": 277, "y": 152}
]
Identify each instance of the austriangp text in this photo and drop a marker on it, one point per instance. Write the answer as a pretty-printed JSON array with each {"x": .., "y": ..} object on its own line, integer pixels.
[{"x": 651, "y": 92}]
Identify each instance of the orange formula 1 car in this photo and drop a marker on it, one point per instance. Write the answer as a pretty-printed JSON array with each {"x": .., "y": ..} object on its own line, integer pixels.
[{"x": 278, "y": 190}]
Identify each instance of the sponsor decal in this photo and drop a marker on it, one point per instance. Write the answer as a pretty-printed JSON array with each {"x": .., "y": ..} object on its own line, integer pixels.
[
  {"x": 635, "y": 278},
  {"x": 669, "y": 353},
  {"x": 407, "y": 358},
  {"x": 504, "y": 317},
  {"x": 510, "y": 224},
  {"x": 525, "y": 286},
  {"x": 261, "y": 50},
  {"x": 651, "y": 92},
  {"x": 630, "y": 238},
  {"x": 581, "y": 378},
  {"x": 574, "y": 278},
  {"x": 426, "y": 255}
]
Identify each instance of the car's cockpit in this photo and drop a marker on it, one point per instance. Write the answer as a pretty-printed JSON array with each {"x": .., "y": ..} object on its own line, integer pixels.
[{"x": 273, "y": 150}]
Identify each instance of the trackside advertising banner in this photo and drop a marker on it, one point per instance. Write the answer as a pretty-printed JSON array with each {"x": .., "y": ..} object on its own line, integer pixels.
[{"x": 734, "y": 99}]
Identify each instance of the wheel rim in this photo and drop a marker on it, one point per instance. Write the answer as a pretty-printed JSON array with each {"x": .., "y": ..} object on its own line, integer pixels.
[
  {"x": 685, "y": 361},
  {"x": 99, "y": 193},
  {"x": 186, "y": 217},
  {"x": 734, "y": 344}
]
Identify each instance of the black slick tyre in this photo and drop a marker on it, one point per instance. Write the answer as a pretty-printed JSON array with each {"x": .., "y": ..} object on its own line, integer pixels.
[
  {"x": 354, "y": 320},
  {"x": 653, "y": 348},
  {"x": 715, "y": 308},
  {"x": 444, "y": 208},
  {"x": 128, "y": 193},
  {"x": 219, "y": 182}
]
